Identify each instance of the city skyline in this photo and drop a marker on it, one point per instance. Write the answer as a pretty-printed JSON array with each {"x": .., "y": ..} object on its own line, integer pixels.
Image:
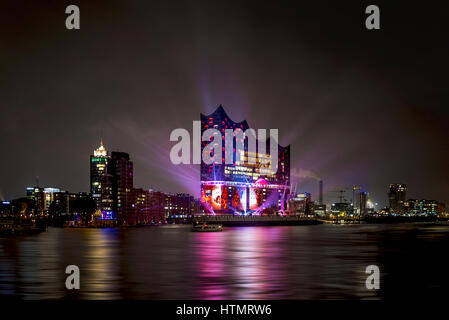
[
  {"x": 228, "y": 158},
  {"x": 344, "y": 192}
]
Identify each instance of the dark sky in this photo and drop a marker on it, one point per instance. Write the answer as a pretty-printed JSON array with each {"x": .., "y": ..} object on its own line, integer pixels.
[{"x": 359, "y": 107}]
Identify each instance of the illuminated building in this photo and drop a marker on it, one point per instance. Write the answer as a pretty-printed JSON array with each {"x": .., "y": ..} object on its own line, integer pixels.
[
  {"x": 149, "y": 207},
  {"x": 363, "y": 203},
  {"x": 319, "y": 209},
  {"x": 66, "y": 203},
  {"x": 197, "y": 207},
  {"x": 32, "y": 192},
  {"x": 301, "y": 204},
  {"x": 50, "y": 195},
  {"x": 42, "y": 197},
  {"x": 396, "y": 198},
  {"x": 121, "y": 169},
  {"x": 179, "y": 205},
  {"x": 5, "y": 208},
  {"x": 344, "y": 208},
  {"x": 420, "y": 207},
  {"x": 157, "y": 203},
  {"x": 245, "y": 188},
  {"x": 101, "y": 182},
  {"x": 37, "y": 195},
  {"x": 21, "y": 207},
  {"x": 113, "y": 192}
]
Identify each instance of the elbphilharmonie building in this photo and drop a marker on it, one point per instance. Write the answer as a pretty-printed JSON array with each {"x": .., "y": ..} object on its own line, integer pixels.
[{"x": 248, "y": 186}]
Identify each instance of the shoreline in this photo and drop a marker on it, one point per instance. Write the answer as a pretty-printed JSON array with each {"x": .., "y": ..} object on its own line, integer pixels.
[{"x": 244, "y": 221}]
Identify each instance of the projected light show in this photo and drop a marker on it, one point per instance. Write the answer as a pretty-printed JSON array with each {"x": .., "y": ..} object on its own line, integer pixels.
[{"x": 247, "y": 186}]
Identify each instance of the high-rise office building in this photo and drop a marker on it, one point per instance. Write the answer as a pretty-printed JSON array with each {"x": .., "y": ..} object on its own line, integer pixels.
[
  {"x": 320, "y": 192},
  {"x": 37, "y": 195},
  {"x": 396, "y": 198},
  {"x": 121, "y": 169},
  {"x": 363, "y": 203},
  {"x": 101, "y": 182}
]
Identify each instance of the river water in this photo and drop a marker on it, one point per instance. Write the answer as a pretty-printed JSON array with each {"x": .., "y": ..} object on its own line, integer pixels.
[{"x": 171, "y": 262}]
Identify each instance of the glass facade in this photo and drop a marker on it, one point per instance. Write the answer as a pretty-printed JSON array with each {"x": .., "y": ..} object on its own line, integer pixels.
[{"x": 248, "y": 185}]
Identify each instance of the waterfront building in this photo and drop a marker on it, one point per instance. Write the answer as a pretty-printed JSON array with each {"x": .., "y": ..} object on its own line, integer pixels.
[
  {"x": 428, "y": 207},
  {"x": 120, "y": 168},
  {"x": 179, "y": 205},
  {"x": 243, "y": 188},
  {"x": 101, "y": 182},
  {"x": 32, "y": 192},
  {"x": 42, "y": 197},
  {"x": 19, "y": 208},
  {"x": 197, "y": 208},
  {"x": 396, "y": 198},
  {"x": 37, "y": 195},
  {"x": 157, "y": 203},
  {"x": 320, "y": 192},
  {"x": 50, "y": 195},
  {"x": 68, "y": 206},
  {"x": 342, "y": 208},
  {"x": 112, "y": 179},
  {"x": 319, "y": 209},
  {"x": 148, "y": 208},
  {"x": 420, "y": 207},
  {"x": 6, "y": 209},
  {"x": 301, "y": 204},
  {"x": 363, "y": 203}
]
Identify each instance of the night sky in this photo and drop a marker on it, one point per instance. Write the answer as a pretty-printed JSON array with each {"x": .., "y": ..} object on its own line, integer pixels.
[{"x": 358, "y": 107}]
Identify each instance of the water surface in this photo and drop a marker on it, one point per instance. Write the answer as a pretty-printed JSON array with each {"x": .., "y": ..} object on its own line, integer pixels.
[{"x": 171, "y": 262}]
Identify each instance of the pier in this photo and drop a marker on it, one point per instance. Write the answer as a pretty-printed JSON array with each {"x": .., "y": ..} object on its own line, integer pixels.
[
  {"x": 240, "y": 221},
  {"x": 378, "y": 219}
]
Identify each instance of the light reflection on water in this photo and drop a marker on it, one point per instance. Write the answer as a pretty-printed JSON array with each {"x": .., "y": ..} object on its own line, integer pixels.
[
  {"x": 245, "y": 262},
  {"x": 171, "y": 262},
  {"x": 101, "y": 273}
]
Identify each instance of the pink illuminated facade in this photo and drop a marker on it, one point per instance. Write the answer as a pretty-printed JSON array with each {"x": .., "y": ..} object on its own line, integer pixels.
[{"x": 248, "y": 187}]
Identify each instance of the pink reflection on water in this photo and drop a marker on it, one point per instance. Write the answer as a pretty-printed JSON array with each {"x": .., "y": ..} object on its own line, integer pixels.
[
  {"x": 257, "y": 260},
  {"x": 210, "y": 254},
  {"x": 241, "y": 263}
]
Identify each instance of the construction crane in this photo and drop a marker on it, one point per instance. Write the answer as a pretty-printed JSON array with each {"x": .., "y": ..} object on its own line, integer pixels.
[
  {"x": 293, "y": 192},
  {"x": 341, "y": 196},
  {"x": 341, "y": 191}
]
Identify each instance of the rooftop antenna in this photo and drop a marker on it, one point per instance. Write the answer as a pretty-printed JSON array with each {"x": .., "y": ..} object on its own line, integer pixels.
[{"x": 37, "y": 181}]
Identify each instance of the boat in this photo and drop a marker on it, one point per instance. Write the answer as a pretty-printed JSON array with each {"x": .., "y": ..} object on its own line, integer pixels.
[
  {"x": 207, "y": 227},
  {"x": 6, "y": 227},
  {"x": 9, "y": 227}
]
